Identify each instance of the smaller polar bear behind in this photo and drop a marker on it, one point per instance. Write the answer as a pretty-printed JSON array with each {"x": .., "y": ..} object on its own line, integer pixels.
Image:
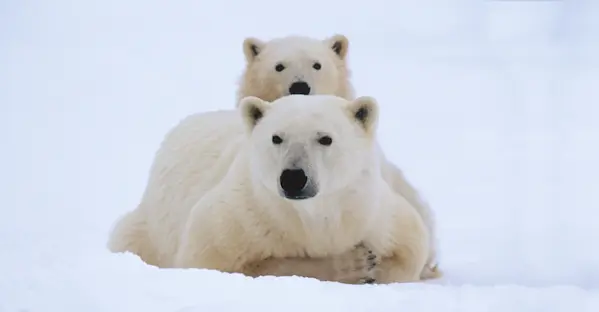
[
  {"x": 295, "y": 65},
  {"x": 292, "y": 187}
]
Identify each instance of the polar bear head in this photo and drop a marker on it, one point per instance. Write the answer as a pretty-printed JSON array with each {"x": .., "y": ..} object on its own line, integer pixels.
[
  {"x": 295, "y": 65},
  {"x": 306, "y": 146}
]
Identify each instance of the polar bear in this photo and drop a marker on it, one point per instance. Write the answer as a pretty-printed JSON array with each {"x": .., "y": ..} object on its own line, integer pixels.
[
  {"x": 292, "y": 187},
  {"x": 295, "y": 65},
  {"x": 304, "y": 65}
]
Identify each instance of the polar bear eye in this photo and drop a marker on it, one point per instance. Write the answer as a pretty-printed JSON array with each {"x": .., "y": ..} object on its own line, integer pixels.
[
  {"x": 280, "y": 67},
  {"x": 325, "y": 140},
  {"x": 276, "y": 140},
  {"x": 317, "y": 66}
]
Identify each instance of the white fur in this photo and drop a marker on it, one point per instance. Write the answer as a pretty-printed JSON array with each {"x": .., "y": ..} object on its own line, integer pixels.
[{"x": 213, "y": 199}]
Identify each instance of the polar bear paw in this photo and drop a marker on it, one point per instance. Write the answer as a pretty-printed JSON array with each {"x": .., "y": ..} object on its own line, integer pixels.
[{"x": 356, "y": 266}]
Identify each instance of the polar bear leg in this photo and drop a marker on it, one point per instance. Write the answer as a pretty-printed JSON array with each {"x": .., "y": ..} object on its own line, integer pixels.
[
  {"x": 200, "y": 248},
  {"x": 356, "y": 266},
  {"x": 410, "y": 252},
  {"x": 398, "y": 182},
  {"x": 405, "y": 265}
]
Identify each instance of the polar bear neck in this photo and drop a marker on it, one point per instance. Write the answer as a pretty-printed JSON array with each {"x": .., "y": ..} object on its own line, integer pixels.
[{"x": 325, "y": 223}]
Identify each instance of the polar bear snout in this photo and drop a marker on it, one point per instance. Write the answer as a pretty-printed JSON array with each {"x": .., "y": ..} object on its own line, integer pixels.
[
  {"x": 295, "y": 184},
  {"x": 299, "y": 87}
]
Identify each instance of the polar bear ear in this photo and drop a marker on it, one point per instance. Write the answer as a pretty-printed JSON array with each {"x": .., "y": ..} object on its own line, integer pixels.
[
  {"x": 252, "y": 110},
  {"x": 251, "y": 48},
  {"x": 339, "y": 44},
  {"x": 365, "y": 110}
]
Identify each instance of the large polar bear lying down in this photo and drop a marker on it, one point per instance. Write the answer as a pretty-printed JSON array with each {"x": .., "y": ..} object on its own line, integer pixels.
[
  {"x": 309, "y": 66},
  {"x": 292, "y": 187}
]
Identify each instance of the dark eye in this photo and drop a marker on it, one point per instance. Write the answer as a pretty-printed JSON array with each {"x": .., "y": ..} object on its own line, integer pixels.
[
  {"x": 280, "y": 67},
  {"x": 325, "y": 140},
  {"x": 317, "y": 66},
  {"x": 276, "y": 140}
]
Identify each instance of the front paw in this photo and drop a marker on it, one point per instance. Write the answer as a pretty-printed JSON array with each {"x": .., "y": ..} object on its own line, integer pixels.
[{"x": 356, "y": 266}]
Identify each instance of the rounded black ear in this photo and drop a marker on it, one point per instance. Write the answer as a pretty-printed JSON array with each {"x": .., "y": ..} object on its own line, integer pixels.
[
  {"x": 365, "y": 110},
  {"x": 339, "y": 44},
  {"x": 251, "y": 48},
  {"x": 252, "y": 110}
]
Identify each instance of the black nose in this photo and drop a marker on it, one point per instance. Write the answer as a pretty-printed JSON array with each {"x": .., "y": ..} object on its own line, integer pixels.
[
  {"x": 293, "y": 181},
  {"x": 299, "y": 87}
]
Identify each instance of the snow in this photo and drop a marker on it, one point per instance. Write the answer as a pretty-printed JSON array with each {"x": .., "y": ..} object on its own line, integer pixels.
[{"x": 489, "y": 107}]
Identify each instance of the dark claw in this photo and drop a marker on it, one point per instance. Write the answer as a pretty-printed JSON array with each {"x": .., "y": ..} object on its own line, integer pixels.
[
  {"x": 369, "y": 281},
  {"x": 371, "y": 257}
]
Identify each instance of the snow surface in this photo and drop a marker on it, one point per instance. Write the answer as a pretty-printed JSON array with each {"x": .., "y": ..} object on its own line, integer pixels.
[{"x": 490, "y": 107}]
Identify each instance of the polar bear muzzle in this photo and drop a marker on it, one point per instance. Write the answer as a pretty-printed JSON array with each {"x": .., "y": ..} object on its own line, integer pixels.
[{"x": 295, "y": 184}]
